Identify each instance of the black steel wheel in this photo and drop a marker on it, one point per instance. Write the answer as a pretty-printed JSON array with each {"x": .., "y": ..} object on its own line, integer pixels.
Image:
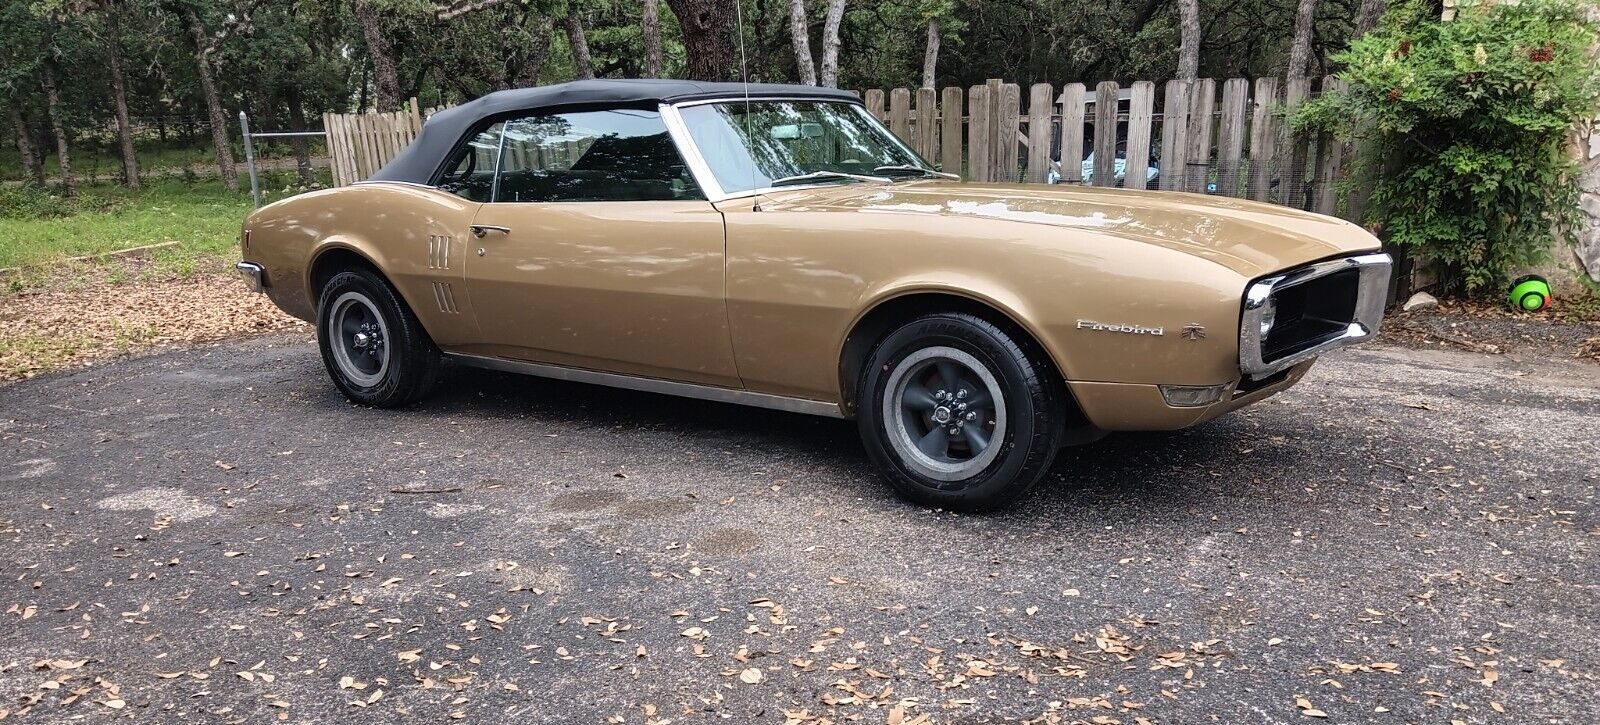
[
  {"x": 957, "y": 414},
  {"x": 372, "y": 345}
]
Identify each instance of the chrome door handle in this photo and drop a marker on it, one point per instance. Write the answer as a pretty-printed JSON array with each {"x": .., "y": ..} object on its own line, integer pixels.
[{"x": 482, "y": 230}]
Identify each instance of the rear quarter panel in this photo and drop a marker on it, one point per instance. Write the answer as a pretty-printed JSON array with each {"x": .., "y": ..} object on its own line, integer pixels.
[{"x": 391, "y": 225}]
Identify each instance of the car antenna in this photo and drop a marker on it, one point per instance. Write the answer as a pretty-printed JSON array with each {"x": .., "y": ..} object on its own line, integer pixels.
[{"x": 744, "y": 76}]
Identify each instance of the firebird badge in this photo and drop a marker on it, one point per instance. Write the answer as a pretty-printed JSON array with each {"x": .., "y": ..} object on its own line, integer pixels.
[
  {"x": 1119, "y": 327},
  {"x": 1193, "y": 331}
]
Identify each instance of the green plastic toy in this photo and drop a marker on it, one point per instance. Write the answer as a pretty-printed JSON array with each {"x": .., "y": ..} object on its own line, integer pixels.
[{"x": 1530, "y": 293}]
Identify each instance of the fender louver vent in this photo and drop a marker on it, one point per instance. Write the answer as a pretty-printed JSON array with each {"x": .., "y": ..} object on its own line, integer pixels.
[
  {"x": 445, "y": 297},
  {"x": 438, "y": 252}
]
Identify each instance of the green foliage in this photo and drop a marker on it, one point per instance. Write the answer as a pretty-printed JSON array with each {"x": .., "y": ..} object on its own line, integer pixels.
[
  {"x": 30, "y": 201},
  {"x": 203, "y": 218},
  {"x": 1468, "y": 122}
]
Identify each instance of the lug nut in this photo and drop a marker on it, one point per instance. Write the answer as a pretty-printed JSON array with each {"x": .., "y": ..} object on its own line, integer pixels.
[
  {"x": 972, "y": 415},
  {"x": 962, "y": 393}
]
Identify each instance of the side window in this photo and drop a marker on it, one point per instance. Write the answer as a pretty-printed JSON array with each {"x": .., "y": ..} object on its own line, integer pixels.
[
  {"x": 470, "y": 171},
  {"x": 612, "y": 155}
]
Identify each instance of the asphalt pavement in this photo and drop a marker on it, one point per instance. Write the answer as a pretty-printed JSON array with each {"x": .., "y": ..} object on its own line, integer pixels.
[{"x": 214, "y": 535}]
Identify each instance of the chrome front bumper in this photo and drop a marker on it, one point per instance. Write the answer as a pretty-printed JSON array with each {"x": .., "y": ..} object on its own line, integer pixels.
[
  {"x": 254, "y": 274},
  {"x": 1372, "y": 293}
]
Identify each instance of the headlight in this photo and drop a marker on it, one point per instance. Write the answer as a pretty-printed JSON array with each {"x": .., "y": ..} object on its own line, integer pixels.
[{"x": 1269, "y": 315}]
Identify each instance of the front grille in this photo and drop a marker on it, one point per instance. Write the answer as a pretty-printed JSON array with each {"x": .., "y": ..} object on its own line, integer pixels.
[{"x": 1311, "y": 313}]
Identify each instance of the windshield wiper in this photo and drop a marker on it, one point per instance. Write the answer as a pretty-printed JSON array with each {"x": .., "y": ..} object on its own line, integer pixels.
[
  {"x": 827, "y": 175},
  {"x": 918, "y": 170}
]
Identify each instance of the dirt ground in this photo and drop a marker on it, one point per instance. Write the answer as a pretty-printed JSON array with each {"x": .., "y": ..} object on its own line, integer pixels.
[{"x": 91, "y": 313}]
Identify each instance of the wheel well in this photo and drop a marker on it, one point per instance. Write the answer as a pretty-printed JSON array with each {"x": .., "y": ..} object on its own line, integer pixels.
[
  {"x": 332, "y": 262},
  {"x": 884, "y": 318}
]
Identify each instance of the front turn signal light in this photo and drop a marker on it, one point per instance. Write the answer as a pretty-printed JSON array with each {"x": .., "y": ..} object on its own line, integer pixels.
[{"x": 1192, "y": 396}]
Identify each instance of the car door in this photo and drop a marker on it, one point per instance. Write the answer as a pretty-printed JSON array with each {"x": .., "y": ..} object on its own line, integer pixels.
[{"x": 597, "y": 250}]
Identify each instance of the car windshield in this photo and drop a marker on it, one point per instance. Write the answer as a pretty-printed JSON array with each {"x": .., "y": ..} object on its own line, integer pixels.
[{"x": 752, "y": 145}]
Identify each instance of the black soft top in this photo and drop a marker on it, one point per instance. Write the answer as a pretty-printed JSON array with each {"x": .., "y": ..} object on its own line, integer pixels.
[{"x": 444, "y": 129}]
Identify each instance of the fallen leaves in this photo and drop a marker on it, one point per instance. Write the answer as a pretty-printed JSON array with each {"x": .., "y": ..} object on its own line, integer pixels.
[
  {"x": 73, "y": 323},
  {"x": 1307, "y": 709}
]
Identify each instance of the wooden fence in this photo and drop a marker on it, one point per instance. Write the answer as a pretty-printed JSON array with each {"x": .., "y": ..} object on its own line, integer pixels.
[
  {"x": 1229, "y": 138},
  {"x": 361, "y": 143}
]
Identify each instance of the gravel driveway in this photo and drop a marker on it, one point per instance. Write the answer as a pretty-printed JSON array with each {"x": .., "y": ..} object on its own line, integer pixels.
[{"x": 213, "y": 535}]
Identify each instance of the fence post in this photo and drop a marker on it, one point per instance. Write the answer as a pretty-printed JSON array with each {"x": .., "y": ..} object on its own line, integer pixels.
[
  {"x": 953, "y": 106},
  {"x": 1175, "y": 135},
  {"x": 1230, "y": 135},
  {"x": 874, "y": 102},
  {"x": 1072, "y": 107},
  {"x": 1107, "y": 99},
  {"x": 900, "y": 115},
  {"x": 1041, "y": 101},
  {"x": 1294, "y": 143},
  {"x": 1007, "y": 133},
  {"x": 1262, "y": 138},
  {"x": 1202, "y": 108},
  {"x": 250, "y": 159},
  {"x": 1140, "y": 111},
  {"x": 927, "y": 132},
  {"x": 978, "y": 163},
  {"x": 1330, "y": 158}
]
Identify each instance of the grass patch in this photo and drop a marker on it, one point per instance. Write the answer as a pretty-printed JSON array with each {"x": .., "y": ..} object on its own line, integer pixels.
[
  {"x": 203, "y": 218},
  {"x": 38, "y": 227}
]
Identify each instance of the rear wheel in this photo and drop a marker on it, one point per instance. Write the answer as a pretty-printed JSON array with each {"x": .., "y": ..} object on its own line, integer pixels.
[
  {"x": 373, "y": 347},
  {"x": 957, "y": 414}
]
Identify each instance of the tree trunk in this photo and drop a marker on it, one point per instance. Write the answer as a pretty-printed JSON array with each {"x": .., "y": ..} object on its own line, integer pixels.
[
  {"x": 52, "y": 99},
  {"x": 302, "y": 149},
  {"x": 930, "y": 56},
  {"x": 830, "y": 44},
  {"x": 218, "y": 117},
  {"x": 1189, "y": 39},
  {"x": 1367, "y": 16},
  {"x": 707, "y": 38},
  {"x": 1305, "y": 18},
  {"x": 582, "y": 66},
  {"x": 119, "y": 97},
  {"x": 800, "y": 40},
  {"x": 651, "y": 25},
  {"x": 383, "y": 68},
  {"x": 30, "y": 156}
]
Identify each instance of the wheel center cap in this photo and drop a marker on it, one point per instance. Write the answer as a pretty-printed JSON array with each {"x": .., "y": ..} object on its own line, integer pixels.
[
  {"x": 941, "y": 415},
  {"x": 362, "y": 340}
]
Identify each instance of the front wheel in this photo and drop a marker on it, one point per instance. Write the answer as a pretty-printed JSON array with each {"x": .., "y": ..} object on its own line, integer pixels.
[
  {"x": 957, "y": 414},
  {"x": 374, "y": 348}
]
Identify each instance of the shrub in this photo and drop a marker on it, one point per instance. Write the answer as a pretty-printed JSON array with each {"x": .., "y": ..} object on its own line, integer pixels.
[
  {"x": 31, "y": 201},
  {"x": 1467, "y": 123}
]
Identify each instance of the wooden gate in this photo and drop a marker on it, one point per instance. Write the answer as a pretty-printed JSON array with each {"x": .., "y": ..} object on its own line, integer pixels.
[{"x": 361, "y": 143}]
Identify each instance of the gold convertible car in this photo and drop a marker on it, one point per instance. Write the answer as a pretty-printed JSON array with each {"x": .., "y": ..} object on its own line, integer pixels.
[{"x": 776, "y": 246}]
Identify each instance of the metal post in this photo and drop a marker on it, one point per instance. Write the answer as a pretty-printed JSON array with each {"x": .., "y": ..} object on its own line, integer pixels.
[{"x": 250, "y": 159}]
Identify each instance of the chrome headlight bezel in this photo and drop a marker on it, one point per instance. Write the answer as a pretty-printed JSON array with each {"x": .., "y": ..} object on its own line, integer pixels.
[{"x": 1371, "y": 295}]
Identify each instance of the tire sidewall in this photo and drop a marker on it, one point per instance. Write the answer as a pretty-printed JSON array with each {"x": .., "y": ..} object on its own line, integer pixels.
[
  {"x": 1025, "y": 442},
  {"x": 397, "y": 340}
]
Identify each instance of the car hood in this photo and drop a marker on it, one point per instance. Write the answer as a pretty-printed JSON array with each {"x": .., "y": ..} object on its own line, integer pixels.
[{"x": 1251, "y": 238}]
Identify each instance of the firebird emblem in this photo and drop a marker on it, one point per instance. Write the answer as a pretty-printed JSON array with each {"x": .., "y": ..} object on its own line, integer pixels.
[{"x": 1193, "y": 331}]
